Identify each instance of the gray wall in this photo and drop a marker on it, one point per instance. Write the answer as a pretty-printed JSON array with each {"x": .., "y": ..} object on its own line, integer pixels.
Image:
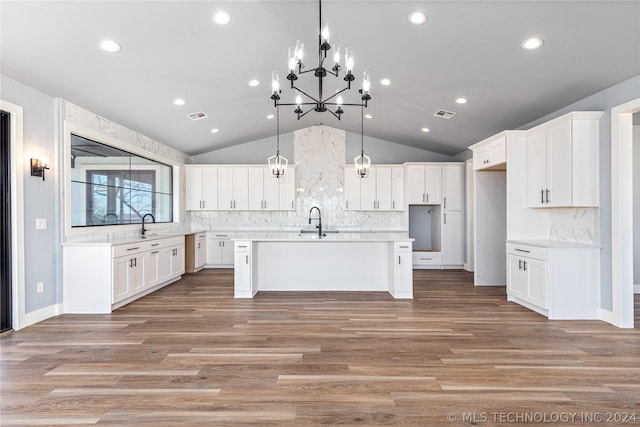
[
  {"x": 43, "y": 259},
  {"x": 380, "y": 151},
  {"x": 602, "y": 101}
]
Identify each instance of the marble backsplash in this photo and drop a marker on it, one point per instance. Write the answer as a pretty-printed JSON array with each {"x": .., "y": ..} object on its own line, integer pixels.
[
  {"x": 319, "y": 154},
  {"x": 575, "y": 225}
]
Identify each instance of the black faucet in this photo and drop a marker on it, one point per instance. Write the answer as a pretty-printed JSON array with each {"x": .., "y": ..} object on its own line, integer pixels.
[
  {"x": 319, "y": 219},
  {"x": 143, "y": 218}
]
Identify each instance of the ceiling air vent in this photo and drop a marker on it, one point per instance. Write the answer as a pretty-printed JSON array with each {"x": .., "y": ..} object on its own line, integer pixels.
[
  {"x": 197, "y": 116},
  {"x": 444, "y": 114}
]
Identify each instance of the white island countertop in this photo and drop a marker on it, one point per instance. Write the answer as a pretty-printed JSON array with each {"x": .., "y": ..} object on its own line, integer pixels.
[
  {"x": 329, "y": 237},
  {"x": 543, "y": 243}
]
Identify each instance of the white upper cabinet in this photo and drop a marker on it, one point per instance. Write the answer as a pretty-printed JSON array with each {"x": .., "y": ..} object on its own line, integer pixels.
[
  {"x": 424, "y": 184},
  {"x": 263, "y": 190},
  {"x": 452, "y": 186},
  {"x": 286, "y": 189},
  {"x": 562, "y": 166},
  {"x": 201, "y": 188},
  {"x": 382, "y": 190},
  {"x": 233, "y": 188},
  {"x": 490, "y": 154}
]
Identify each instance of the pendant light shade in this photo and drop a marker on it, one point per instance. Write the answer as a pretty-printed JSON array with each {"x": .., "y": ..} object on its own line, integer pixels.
[
  {"x": 278, "y": 164},
  {"x": 362, "y": 162}
]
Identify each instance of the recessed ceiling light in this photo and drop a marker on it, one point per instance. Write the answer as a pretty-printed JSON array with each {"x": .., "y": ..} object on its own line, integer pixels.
[
  {"x": 532, "y": 43},
  {"x": 109, "y": 46},
  {"x": 418, "y": 18},
  {"x": 385, "y": 82},
  {"x": 368, "y": 116},
  {"x": 425, "y": 129},
  {"x": 270, "y": 116},
  {"x": 254, "y": 83},
  {"x": 179, "y": 101},
  {"x": 215, "y": 130},
  {"x": 461, "y": 100},
  {"x": 222, "y": 18}
]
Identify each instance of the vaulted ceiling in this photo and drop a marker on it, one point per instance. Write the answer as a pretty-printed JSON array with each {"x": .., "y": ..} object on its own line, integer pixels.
[{"x": 173, "y": 49}]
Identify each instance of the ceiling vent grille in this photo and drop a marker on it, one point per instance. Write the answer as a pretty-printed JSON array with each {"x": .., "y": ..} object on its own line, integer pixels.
[
  {"x": 197, "y": 116},
  {"x": 444, "y": 114}
]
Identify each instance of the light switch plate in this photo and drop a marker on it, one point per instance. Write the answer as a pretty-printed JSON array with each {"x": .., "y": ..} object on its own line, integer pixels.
[{"x": 41, "y": 223}]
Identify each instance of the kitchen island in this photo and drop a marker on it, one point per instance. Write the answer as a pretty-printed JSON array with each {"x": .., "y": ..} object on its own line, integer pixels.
[{"x": 370, "y": 262}]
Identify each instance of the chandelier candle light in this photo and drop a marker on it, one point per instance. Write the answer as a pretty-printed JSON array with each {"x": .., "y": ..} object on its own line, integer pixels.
[
  {"x": 319, "y": 103},
  {"x": 278, "y": 163}
]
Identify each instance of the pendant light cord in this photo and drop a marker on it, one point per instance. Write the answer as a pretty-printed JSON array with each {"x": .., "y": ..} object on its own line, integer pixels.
[
  {"x": 278, "y": 132},
  {"x": 362, "y": 132}
]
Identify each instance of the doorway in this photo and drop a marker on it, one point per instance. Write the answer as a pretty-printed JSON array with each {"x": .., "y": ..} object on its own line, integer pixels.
[
  {"x": 6, "y": 315},
  {"x": 622, "y": 200}
]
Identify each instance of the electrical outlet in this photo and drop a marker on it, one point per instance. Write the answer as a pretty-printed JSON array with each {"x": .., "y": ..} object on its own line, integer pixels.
[
  {"x": 41, "y": 223},
  {"x": 40, "y": 287}
]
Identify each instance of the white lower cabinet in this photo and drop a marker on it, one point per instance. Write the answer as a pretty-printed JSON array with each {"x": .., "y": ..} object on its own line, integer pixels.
[
  {"x": 219, "y": 249},
  {"x": 452, "y": 239},
  {"x": 243, "y": 274},
  {"x": 427, "y": 260},
  {"x": 544, "y": 278},
  {"x": 402, "y": 270},
  {"x": 100, "y": 277}
]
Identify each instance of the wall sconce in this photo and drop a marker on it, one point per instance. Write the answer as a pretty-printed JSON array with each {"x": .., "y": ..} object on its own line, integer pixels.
[{"x": 37, "y": 167}]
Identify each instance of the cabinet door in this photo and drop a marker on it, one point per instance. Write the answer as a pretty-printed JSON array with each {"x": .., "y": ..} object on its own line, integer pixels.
[
  {"x": 256, "y": 189},
  {"x": 225, "y": 189},
  {"x": 516, "y": 279},
  {"x": 452, "y": 243},
  {"x": 214, "y": 251},
  {"x": 227, "y": 252},
  {"x": 403, "y": 272},
  {"x": 242, "y": 274},
  {"x": 352, "y": 199},
  {"x": 397, "y": 189},
  {"x": 271, "y": 190},
  {"x": 536, "y": 169},
  {"x": 384, "y": 193},
  {"x": 201, "y": 252},
  {"x": 433, "y": 184},
  {"x": 559, "y": 165},
  {"x": 152, "y": 268},
  {"x": 287, "y": 190},
  {"x": 165, "y": 260},
  {"x": 536, "y": 272},
  {"x": 210, "y": 188},
  {"x": 481, "y": 158},
  {"x": 121, "y": 275},
  {"x": 452, "y": 187},
  {"x": 137, "y": 274},
  {"x": 498, "y": 152},
  {"x": 194, "y": 189},
  {"x": 415, "y": 185},
  {"x": 177, "y": 261},
  {"x": 241, "y": 189},
  {"x": 368, "y": 199}
]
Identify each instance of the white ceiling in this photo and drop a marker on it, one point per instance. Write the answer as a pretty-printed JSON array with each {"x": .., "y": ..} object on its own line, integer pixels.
[{"x": 173, "y": 49}]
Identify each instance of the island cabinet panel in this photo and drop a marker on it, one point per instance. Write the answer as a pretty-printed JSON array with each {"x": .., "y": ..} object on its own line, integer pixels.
[
  {"x": 243, "y": 272},
  {"x": 562, "y": 166},
  {"x": 195, "y": 252},
  {"x": 120, "y": 273}
]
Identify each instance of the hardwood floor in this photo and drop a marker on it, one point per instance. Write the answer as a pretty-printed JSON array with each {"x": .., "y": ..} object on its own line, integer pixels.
[{"x": 192, "y": 355}]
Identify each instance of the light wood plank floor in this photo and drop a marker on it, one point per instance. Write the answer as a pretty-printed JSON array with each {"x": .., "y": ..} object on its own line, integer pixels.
[{"x": 192, "y": 355}]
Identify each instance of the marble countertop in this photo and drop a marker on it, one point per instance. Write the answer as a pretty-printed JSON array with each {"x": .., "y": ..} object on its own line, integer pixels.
[
  {"x": 126, "y": 240},
  {"x": 542, "y": 243},
  {"x": 329, "y": 237}
]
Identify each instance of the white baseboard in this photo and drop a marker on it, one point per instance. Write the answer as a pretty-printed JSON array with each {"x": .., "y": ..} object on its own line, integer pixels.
[
  {"x": 42, "y": 314},
  {"x": 606, "y": 316},
  {"x": 467, "y": 267},
  {"x": 490, "y": 284},
  {"x": 636, "y": 289}
]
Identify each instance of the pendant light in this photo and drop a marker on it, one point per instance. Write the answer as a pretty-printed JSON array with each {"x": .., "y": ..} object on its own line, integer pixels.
[
  {"x": 278, "y": 164},
  {"x": 362, "y": 161}
]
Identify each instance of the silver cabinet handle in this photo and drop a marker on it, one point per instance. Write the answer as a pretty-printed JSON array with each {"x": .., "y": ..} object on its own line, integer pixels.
[
  {"x": 247, "y": 259},
  {"x": 445, "y": 218},
  {"x": 222, "y": 244},
  {"x": 133, "y": 249},
  {"x": 519, "y": 264},
  {"x": 522, "y": 250},
  {"x": 242, "y": 246},
  {"x": 541, "y": 196},
  {"x": 156, "y": 244},
  {"x": 404, "y": 247},
  {"x": 204, "y": 204},
  {"x": 423, "y": 200},
  {"x": 393, "y": 204},
  {"x": 547, "y": 195},
  {"x": 427, "y": 197},
  {"x": 154, "y": 252},
  {"x": 398, "y": 260},
  {"x": 445, "y": 203},
  {"x": 292, "y": 204},
  {"x": 524, "y": 265}
]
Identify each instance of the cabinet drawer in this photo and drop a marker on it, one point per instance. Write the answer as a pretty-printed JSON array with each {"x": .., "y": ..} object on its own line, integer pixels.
[
  {"x": 427, "y": 258},
  {"x": 403, "y": 246},
  {"x": 220, "y": 235},
  {"x": 242, "y": 246},
  {"x": 527, "y": 251},
  {"x": 129, "y": 249}
]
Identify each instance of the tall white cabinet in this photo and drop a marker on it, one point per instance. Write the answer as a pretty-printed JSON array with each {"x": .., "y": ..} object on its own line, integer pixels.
[{"x": 439, "y": 187}]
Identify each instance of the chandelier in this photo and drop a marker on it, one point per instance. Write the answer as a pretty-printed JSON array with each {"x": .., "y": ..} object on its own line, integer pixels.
[
  {"x": 277, "y": 163},
  {"x": 362, "y": 162},
  {"x": 296, "y": 69}
]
